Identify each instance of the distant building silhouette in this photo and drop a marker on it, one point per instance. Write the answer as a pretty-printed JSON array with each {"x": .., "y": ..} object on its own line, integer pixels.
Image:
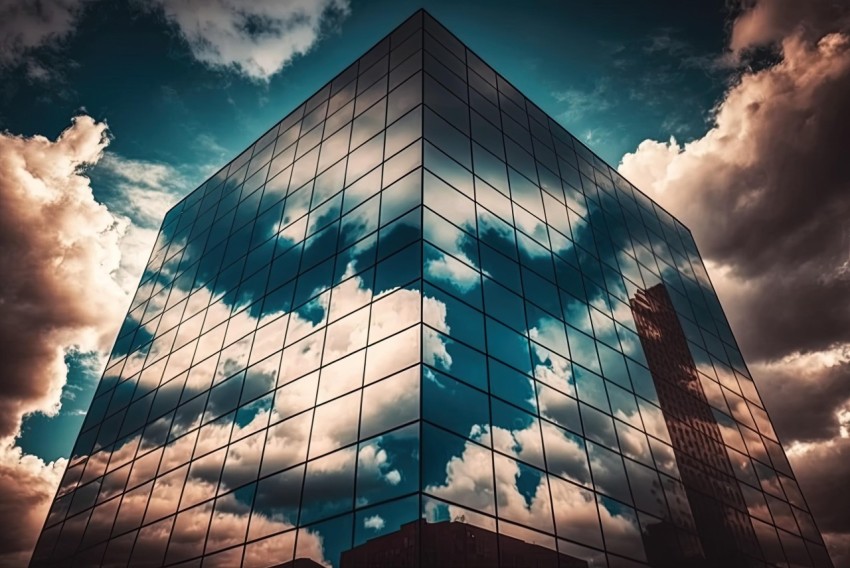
[
  {"x": 300, "y": 563},
  {"x": 452, "y": 544}
]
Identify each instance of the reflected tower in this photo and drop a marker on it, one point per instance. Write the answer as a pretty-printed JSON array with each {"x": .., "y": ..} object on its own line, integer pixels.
[
  {"x": 418, "y": 323},
  {"x": 715, "y": 498}
]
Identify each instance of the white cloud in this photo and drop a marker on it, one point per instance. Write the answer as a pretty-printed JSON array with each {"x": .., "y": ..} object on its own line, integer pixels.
[
  {"x": 434, "y": 348},
  {"x": 452, "y": 272},
  {"x": 147, "y": 189},
  {"x": 282, "y": 446},
  {"x": 375, "y": 463},
  {"x": 141, "y": 191},
  {"x": 375, "y": 522},
  {"x": 769, "y": 21},
  {"x": 257, "y": 38}
]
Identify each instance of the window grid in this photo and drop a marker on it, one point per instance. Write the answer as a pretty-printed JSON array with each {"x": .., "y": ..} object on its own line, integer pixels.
[{"x": 516, "y": 232}]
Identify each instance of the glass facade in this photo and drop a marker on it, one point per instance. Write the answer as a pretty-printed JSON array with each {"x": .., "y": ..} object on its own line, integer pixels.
[{"x": 417, "y": 323}]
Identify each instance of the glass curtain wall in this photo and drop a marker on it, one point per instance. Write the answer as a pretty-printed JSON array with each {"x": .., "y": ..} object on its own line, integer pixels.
[{"x": 418, "y": 323}]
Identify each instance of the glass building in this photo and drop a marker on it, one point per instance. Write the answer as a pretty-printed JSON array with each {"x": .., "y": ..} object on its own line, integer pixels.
[{"x": 417, "y": 323}]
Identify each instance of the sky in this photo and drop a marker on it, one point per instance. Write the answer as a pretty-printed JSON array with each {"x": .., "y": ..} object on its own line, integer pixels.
[{"x": 731, "y": 114}]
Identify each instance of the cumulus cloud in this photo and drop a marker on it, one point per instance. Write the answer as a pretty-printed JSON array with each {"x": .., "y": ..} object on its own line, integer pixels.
[
  {"x": 572, "y": 511},
  {"x": 453, "y": 273},
  {"x": 765, "y": 22},
  {"x": 24, "y": 508},
  {"x": 228, "y": 519},
  {"x": 258, "y": 38},
  {"x": 253, "y": 452},
  {"x": 766, "y": 192},
  {"x": 61, "y": 249},
  {"x": 375, "y": 522},
  {"x": 25, "y": 26},
  {"x": 69, "y": 263},
  {"x": 769, "y": 209}
]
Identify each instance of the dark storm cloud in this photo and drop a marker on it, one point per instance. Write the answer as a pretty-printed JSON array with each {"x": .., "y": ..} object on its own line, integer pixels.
[
  {"x": 804, "y": 386},
  {"x": 766, "y": 192},
  {"x": 28, "y": 25},
  {"x": 826, "y": 467},
  {"x": 767, "y": 195},
  {"x": 767, "y": 21}
]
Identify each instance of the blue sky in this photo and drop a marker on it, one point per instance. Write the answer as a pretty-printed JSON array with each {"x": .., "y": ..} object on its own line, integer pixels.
[
  {"x": 613, "y": 74},
  {"x": 754, "y": 92}
]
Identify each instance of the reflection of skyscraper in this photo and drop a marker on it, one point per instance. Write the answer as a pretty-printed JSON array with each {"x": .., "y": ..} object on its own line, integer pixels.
[
  {"x": 718, "y": 506},
  {"x": 407, "y": 303}
]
